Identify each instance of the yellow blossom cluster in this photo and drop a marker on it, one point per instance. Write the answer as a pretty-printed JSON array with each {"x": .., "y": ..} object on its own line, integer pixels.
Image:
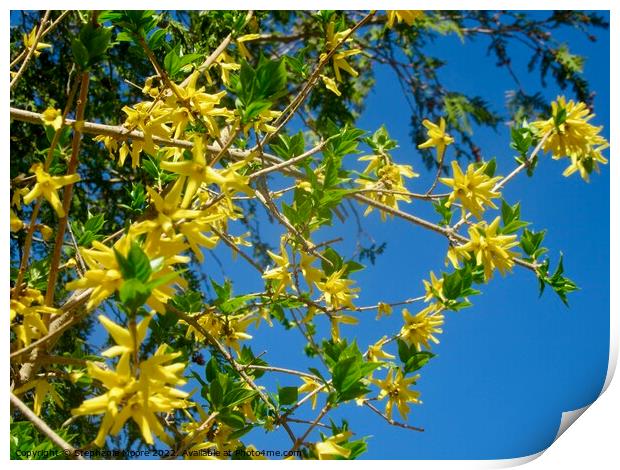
[
  {"x": 383, "y": 181},
  {"x": 489, "y": 248},
  {"x": 399, "y": 16},
  {"x": 473, "y": 189},
  {"x": 29, "y": 315},
  {"x": 135, "y": 389},
  {"x": 569, "y": 134},
  {"x": 104, "y": 273}
]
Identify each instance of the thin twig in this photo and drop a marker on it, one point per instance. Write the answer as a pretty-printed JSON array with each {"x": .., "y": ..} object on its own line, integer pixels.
[
  {"x": 67, "y": 191},
  {"x": 38, "y": 423},
  {"x": 31, "y": 50},
  {"x": 391, "y": 421}
]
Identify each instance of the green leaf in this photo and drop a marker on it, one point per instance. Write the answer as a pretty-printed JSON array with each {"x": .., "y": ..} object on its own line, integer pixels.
[
  {"x": 335, "y": 259},
  {"x": 235, "y": 420},
  {"x": 133, "y": 293},
  {"x": 287, "y": 395},
  {"x": 80, "y": 53},
  {"x": 417, "y": 361},
  {"x": 238, "y": 396}
]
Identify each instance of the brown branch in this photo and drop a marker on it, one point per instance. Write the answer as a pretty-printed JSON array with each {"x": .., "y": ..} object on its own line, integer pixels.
[
  {"x": 121, "y": 133},
  {"x": 38, "y": 423},
  {"x": 391, "y": 421},
  {"x": 68, "y": 190},
  {"x": 31, "y": 50},
  {"x": 35, "y": 212},
  {"x": 291, "y": 109}
]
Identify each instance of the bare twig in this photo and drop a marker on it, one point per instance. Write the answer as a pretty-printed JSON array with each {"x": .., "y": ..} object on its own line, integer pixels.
[
  {"x": 391, "y": 421},
  {"x": 38, "y": 423},
  {"x": 31, "y": 50}
]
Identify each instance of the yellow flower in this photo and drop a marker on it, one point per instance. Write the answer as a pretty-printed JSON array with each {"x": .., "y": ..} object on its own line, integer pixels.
[
  {"x": 42, "y": 388},
  {"x": 126, "y": 341},
  {"x": 241, "y": 40},
  {"x": 376, "y": 352},
  {"x": 309, "y": 386},
  {"x": 421, "y": 328},
  {"x": 473, "y": 188},
  {"x": 330, "y": 84},
  {"x": 336, "y": 320},
  {"x": 104, "y": 274},
  {"x": 337, "y": 290},
  {"x": 226, "y": 64},
  {"x": 389, "y": 185},
  {"x": 570, "y": 131},
  {"x": 396, "y": 389},
  {"x": 199, "y": 172},
  {"x": 436, "y": 285},
  {"x": 489, "y": 249},
  {"x": 230, "y": 329},
  {"x": 29, "y": 40},
  {"x": 338, "y": 59},
  {"x": 586, "y": 162},
  {"x": 280, "y": 272},
  {"x": 437, "y": 137},
  {"x": 311, "y": 274},
  {"x": 16, "y": 222},
  {"x": 136, "y": 391},
  {"x": 383, "y": 310},
  {"x": 52, "y": 117},
  {"x": 398, "y": 16},
  {"x": 48, "y": 186},
  {"x": 168, "y": 211},
  {"x": 25, "y": 314},
  {"x": 329, "y": 449}
]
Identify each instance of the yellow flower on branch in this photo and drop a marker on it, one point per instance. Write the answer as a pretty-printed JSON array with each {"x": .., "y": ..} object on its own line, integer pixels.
[
  {"x": 336, "y": 320},
  {"x": 29, "y": 43},
  {"x": 136, "y": 391},
  {"x": 569, "y": 129},
  {"x": 199, "y": 172},
  {"x": 16, "y": 223},
  {"x": 331, "y": 85},
  {"x": 42, "y": 388},
  {"x": 311, "y": 274},
  {"x": 421, "y": 328},
  {"x": 398, "y": 16},
  {"x": 339, "y": 62},
  {"x": 433, "y": 288},
  {"x": 376, "y": 352},
  {"x": 280, "y": 272},
  {"x": 126, "y": 340},
  {"x": 569, "y": 134},
  {"x": 104, "y": 273},
  {"x": 396, "y": 390},
  {"x": 337, "y": 290},
  {"x": 26, "y": 312},
  {"x": 437, "y": 137},
  {"x": 52, "y": 117},
  {"x": 310, "y": 385},
  {"x": 330, "y": 448},
  {"x": 487, "y": 247},
  {"x": 389, "y": 185},
  {"x": 241, "y": 40},
  {"x": 47, "y": 186},
  {"x": 168, "y": 211},
  {"x": 473, "y": 189}
]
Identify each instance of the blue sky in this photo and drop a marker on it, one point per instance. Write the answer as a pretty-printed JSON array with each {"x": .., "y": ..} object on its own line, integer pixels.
[{"x": 507, "y": 367}]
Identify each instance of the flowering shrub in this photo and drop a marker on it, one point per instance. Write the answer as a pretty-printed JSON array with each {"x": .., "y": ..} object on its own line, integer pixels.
[{"x": 211, "y": 128}]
